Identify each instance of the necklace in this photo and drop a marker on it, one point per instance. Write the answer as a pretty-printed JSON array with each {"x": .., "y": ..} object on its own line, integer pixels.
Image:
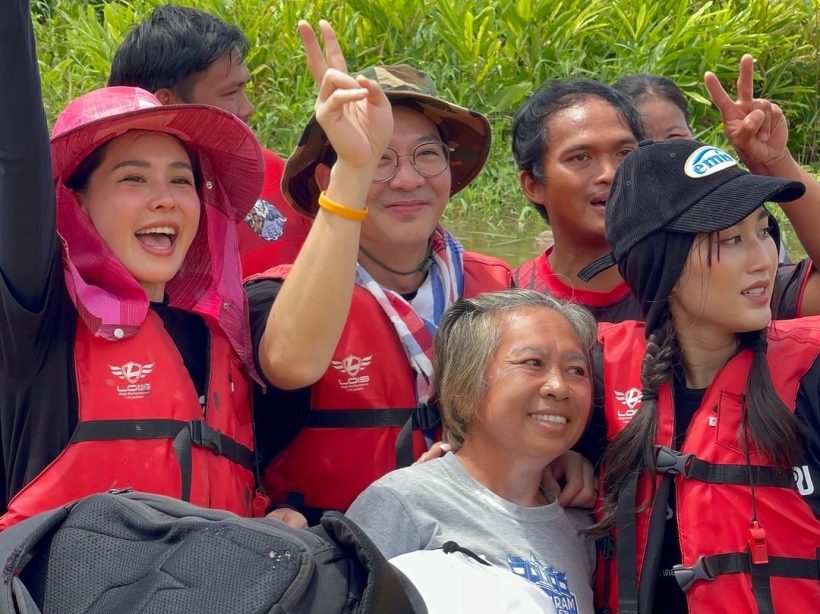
[{"x": 422, "y": 266}]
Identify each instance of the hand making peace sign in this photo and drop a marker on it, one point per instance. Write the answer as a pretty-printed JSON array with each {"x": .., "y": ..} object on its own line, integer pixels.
[
  {"x": 756, "y": 127},
  {"x": 353, "y": 111}
]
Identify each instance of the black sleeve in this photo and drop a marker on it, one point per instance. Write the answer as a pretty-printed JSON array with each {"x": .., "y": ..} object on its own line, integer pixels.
[
  {"x": 789, "y": 287},
  {"x": 28, "y": 242},
  {"x": 807, "y": 472},
  {"x": 278, "y": 414},
  {"x": 261, "y": 295},
  {"x": 35, "y": 321}
]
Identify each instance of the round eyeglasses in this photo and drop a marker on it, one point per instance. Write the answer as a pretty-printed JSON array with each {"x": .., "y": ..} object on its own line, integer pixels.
[{"x": 429, "y": 160}]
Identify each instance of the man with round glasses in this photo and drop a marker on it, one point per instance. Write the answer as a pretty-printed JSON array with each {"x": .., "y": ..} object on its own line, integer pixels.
[
  {"x": 371, "y": 294},
  {"x": 430, "y": 159}
]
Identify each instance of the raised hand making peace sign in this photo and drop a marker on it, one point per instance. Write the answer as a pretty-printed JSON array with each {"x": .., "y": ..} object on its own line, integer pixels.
[
  {"x": 758, "y": 131},
  {"x": 353, "y": 111},
  {"x": 357, "y": 119},
  {"x": 756, "y": 127}
]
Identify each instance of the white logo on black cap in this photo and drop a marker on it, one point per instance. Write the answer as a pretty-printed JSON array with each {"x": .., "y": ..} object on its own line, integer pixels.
[{"x": 707, "y": 160}]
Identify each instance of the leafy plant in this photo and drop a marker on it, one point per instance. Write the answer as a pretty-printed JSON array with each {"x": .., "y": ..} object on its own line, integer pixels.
[{"x": 485, "y": 54}]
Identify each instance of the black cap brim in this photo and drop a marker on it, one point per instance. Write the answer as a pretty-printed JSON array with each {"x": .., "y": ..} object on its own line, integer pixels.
[
  {"x": 734, "y": 200},
  {"x": 725, "y": 206}
]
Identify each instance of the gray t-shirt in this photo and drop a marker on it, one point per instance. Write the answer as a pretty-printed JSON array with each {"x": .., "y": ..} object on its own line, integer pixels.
[{"x": 423, "y": 506}]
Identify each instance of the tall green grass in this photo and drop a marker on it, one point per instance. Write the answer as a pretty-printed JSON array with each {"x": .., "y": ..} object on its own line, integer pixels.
[{"x": 486, "y": 54}]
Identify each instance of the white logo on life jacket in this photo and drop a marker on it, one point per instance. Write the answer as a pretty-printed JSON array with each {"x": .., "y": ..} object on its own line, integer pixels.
[
  {"x": 802, "y": 477},
  {"x": 707, "y": 160},
  {"x": 351, "y": 366},
  {"x": 132, "y": 372},
  {"x": 631, "y": 399}
]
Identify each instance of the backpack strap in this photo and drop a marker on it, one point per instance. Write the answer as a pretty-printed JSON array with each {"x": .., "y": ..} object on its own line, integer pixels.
[
  {"x": 381, "y": 588},
  {"x": 22, "y": 598}
]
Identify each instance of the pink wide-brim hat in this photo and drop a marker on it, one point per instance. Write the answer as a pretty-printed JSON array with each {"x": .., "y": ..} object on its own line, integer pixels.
[
  {"x": 109, "y": 300},
  {"x": 104, "y": 114}
]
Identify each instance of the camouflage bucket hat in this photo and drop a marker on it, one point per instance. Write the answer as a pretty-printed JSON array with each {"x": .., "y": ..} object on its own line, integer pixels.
[{"x": 465, "y": 131}]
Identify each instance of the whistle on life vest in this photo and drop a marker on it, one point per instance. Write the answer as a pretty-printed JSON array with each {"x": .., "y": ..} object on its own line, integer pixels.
[
  {"x": 757, "y": 544},
  {"x": 260, "y": 504}
]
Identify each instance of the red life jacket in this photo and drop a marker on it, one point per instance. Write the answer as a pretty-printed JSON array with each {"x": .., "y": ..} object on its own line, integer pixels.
[
  {"x": 141, "y": 426},
  {"x": 535, "y": 275},
  {"x": 615, "y": 305},
  {"x": 723, "y": 557},
  {"x": 362, "y": 403},
  {"x": 271, "y": 241}
]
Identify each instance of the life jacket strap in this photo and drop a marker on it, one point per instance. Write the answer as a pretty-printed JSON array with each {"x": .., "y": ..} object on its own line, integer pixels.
[
  {"x": 424, "y": 417},
  {"x": 709, "y": 567},
  {"x": 626, "y": 546},
  {"x": 359, "y": 418},
  {"x": 691, "y": 467},
  {"x": 606, "y": 548},
  {"x": 184, "y": 434}
]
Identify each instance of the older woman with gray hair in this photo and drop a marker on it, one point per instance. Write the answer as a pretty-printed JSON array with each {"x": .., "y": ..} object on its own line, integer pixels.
[{"x": 513, "y": 383}]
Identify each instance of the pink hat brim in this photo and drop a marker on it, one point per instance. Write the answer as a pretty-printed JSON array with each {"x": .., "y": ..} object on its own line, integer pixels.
[{"x": 233, "y": 150}]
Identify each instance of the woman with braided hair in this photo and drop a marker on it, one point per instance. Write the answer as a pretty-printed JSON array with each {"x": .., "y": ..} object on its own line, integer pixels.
[{"x": 711, "y": 410}]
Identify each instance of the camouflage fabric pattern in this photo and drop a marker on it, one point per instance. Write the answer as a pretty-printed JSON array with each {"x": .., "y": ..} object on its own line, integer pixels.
[{"x": 465, "y": 131}]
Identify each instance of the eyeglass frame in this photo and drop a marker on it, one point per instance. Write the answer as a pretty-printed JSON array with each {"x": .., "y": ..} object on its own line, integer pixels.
[{"x": 447, "y": 151}]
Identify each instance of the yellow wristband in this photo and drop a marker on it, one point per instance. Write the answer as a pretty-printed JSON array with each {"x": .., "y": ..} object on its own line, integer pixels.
[{"x": 356, "y": 215}]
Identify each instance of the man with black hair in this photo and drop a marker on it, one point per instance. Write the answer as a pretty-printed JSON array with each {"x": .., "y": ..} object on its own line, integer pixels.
[
  {"x": 186, "y": 56},
  {"x": 344, "y": 337},
  {"x": 569, "y": 139}
]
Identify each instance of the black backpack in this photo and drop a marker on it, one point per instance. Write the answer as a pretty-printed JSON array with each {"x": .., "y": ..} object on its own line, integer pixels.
[{"x": 135, "y": 552}]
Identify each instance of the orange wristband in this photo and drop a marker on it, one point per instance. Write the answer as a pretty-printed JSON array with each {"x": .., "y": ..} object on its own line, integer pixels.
[{"x": 355, "y": 215}]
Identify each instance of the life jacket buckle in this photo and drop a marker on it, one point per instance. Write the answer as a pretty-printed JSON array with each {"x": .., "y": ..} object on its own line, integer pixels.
[
  {"x": 426, "y": 416},
  {"x": 758, "y": 551},
  {"x": 204, "y": 436},
  {"x": 671, "y": 461},
  {"x": 685, "y": 576}
]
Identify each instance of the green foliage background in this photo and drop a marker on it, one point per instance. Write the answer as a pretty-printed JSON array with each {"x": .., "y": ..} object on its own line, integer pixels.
[{"x": 485, "y": 54}]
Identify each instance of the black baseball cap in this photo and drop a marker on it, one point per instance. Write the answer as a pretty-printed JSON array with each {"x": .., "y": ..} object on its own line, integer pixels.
[{"x": 681, "y": 186}]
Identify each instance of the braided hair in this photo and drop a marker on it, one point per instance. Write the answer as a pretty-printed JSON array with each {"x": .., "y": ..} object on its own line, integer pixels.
[{"x": 634, "y": 447}]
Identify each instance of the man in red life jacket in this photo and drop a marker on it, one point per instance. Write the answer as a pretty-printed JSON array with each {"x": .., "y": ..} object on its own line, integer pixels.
[
  {"x": 366, "y": 378},
  {"x": 568, "y": 140}
]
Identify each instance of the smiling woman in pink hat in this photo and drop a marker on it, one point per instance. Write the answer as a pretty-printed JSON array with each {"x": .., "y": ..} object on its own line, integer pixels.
[{"x": 124, "y": 343}]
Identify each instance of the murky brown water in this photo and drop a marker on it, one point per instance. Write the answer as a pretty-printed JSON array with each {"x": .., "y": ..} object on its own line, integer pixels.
[
  {"x": 516, "y": 243},
  {"x": 513, "y": 242}
]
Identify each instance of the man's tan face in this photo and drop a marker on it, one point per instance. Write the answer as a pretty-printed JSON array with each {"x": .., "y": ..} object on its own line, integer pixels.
[{"x": 222, "y": 85}]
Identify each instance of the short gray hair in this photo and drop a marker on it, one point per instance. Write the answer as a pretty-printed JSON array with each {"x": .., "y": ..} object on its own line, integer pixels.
[{"x": 467, "y": 339}]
